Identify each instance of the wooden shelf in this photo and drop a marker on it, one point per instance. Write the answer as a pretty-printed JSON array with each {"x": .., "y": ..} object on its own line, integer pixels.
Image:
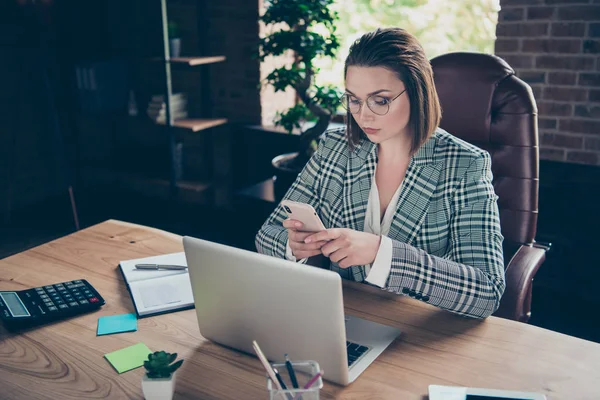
[
  {"x": 198, "y": 124},
  {"x": 193, "y": 61}
]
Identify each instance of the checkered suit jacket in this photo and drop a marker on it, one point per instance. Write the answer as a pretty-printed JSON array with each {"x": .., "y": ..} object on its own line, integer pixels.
[{"x": 447, "y": 245}]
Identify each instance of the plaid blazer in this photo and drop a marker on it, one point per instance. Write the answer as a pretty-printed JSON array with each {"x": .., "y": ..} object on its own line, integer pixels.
[{"x": 447, "y": 245}]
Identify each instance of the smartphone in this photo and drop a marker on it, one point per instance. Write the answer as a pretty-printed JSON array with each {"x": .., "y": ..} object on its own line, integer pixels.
[{"x": 304, "y": 213}]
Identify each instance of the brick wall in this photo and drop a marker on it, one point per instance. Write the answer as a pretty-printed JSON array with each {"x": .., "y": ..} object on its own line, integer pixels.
[
  {"x": 554, "y": 45},
  {"x": 231, "y": 29}
]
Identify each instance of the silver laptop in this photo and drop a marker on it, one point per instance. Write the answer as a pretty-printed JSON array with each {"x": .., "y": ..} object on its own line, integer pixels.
[{"x": 241, "y": 296}]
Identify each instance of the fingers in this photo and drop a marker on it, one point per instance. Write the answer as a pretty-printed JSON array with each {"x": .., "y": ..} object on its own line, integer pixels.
[
  {"x": 339, "y": 255},
  {"x": 306, "y": 254},
  {"x": 296, "y": 236},
  {"x": 292, "y": 224},
  {"x": 328, "y": 234},
  {"x": 333, "y": 246}
]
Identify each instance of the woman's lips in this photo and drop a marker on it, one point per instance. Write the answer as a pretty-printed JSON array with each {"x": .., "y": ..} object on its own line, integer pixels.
[{"x": 371, "y": 131}]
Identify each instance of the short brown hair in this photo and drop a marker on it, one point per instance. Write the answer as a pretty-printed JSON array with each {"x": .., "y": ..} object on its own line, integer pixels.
[{"x": 398, "y": 51}]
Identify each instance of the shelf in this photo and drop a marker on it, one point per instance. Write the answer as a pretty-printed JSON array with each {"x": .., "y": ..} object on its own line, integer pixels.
[
  {"x": 197, "y": 124},
  {"x": 193, "y": 61}
]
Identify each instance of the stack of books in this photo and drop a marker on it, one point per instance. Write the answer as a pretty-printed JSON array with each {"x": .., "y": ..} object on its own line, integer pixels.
[{"x": 157, "y": 107}]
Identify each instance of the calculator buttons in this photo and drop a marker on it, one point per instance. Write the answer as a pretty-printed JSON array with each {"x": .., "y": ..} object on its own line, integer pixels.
[
  {"x": 94, "y": 300},
  {"x": 84, "y": 302},
  {"x": 73, "y": 304},
  {"x": 63, "y": 306},
  {"x": 44, "y": 296},
  {"x": 76, "y": 285},
  {"x": 52, "y": 308}
]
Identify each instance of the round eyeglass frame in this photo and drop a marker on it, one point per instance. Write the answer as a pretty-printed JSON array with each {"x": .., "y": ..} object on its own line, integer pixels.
[{"x": 346, "y": 106}]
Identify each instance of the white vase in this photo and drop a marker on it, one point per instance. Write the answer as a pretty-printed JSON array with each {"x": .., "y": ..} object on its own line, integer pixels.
[{"x": 158, "y": 388}]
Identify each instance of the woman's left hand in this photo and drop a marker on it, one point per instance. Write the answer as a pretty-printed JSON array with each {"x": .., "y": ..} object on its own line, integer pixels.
[{"x": 347, "y": 247}]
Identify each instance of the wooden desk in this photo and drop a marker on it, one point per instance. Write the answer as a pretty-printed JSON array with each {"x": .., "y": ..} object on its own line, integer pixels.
[{"x": 65, "y": 360}]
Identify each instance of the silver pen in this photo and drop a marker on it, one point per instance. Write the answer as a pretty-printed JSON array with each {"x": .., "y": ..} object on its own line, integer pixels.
[{"x": 160, "y": 266}]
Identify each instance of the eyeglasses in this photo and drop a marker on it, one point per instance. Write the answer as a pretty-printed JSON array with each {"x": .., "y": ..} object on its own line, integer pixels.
[{"x": 378, "y": 104}]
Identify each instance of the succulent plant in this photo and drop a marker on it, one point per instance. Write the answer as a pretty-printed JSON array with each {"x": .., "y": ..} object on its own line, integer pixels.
[{"x": 160, "y": 364}]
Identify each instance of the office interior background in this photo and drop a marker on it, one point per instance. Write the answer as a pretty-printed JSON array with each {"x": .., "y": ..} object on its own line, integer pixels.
[{"x": 79, "y": 143}]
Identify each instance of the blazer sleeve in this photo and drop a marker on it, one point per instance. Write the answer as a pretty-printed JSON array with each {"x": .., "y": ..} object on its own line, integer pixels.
[
  {"x": 469, "y": 279},
  {"x": 272, "y": 237}
]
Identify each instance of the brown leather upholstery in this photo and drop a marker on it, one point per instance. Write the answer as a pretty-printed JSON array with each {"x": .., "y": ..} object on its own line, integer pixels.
[{"x": 484, "y": 103}]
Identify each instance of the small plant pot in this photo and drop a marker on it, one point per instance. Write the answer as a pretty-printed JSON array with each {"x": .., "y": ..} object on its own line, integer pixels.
[
  {"x": 284, "y": 175},
  {"x": 159, "y": 388}
]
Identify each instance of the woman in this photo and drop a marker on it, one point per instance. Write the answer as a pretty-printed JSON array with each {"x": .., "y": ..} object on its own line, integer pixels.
[{"x": 409, "y": 207}]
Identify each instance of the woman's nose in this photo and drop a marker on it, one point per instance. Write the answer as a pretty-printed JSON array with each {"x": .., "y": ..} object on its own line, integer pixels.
[{"x": 365, "y": 113}]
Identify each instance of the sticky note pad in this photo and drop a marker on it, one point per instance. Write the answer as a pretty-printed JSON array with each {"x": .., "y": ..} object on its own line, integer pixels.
[
  {"x": 116, "y": 324},
  {"x": 128, "y": 358}
]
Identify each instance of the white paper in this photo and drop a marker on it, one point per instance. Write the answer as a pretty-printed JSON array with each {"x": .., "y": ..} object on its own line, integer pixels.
[
  {"x": 163, "y": 295},
  {"x": 133, "y": 275},
  {"x": 158, "y": 290}
]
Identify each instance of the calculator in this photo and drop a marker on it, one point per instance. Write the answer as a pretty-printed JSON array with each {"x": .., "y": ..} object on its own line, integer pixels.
[{"x": 49, "y": 303}]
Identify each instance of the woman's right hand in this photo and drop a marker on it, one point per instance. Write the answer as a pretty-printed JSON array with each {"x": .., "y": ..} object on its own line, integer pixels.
[{"x": 296, "y": 238}]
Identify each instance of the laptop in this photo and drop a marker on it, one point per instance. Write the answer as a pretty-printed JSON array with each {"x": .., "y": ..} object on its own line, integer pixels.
[{"x": 241, "y": 296}]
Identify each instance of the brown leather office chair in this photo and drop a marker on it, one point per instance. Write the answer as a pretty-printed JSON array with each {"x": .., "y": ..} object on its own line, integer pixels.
[{"x": 485, "y": 104}]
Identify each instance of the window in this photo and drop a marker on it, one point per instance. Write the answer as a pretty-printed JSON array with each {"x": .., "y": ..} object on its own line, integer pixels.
[{"x": 441, "y": 26}]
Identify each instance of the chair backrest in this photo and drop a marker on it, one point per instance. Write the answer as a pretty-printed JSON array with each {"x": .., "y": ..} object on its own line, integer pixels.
[{"x": 485, "y": 104}]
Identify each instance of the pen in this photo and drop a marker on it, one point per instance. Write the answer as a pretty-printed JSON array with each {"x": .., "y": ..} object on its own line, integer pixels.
[
  {"x": 160, "y": 266},
  {"x": 291, "y": 372},
  {"x": 282, "y": 383},
  {"x": 311, "y": 382}
]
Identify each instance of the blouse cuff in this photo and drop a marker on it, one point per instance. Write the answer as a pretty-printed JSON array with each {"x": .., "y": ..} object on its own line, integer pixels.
[
  {"x": 290, "y": 256},
  {"x": 380, "y": 269}
]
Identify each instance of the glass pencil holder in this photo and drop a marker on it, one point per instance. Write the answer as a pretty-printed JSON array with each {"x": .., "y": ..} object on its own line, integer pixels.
[{"x": 304, "y": 371}]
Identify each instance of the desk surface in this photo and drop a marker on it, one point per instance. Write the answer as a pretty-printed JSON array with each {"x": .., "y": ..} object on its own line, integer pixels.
[{"x": 65, "y": 360}]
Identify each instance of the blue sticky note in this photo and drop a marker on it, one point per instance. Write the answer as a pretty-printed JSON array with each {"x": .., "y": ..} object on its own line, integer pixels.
[{"x": 117, "y": 324}]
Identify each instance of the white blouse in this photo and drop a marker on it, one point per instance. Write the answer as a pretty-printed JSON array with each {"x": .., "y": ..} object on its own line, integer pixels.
[{"x": 378, "y": 272}]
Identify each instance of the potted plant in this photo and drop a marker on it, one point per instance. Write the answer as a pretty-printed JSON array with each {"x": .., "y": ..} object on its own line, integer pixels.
[
  {"x": 174, "y": 39},
  {"x": 159, "y": 381},
  {"x": 306, "y": 28}
]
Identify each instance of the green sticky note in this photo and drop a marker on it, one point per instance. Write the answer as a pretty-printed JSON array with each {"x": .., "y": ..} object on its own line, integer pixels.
[
  {"x": 128, "y": 358},
  {"x": 116, "y": 324}
]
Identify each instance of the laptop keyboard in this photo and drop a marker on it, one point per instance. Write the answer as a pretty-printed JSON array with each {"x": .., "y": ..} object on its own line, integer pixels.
[{"x": 354, "y": 352}]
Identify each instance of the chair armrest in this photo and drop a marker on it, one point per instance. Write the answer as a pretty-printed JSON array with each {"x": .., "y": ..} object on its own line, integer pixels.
[{"x": 516, "y": 301}]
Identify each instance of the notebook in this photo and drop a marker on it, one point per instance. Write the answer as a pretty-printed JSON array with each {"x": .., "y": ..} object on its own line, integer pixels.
[{"x": 158, "y": 291}]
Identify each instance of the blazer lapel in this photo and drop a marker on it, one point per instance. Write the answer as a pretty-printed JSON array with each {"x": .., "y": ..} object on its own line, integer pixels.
[
  {"x": 357, "y": 185},
  {"x": 355, "y": 196},
  {"x": 419, "y": 183}
]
